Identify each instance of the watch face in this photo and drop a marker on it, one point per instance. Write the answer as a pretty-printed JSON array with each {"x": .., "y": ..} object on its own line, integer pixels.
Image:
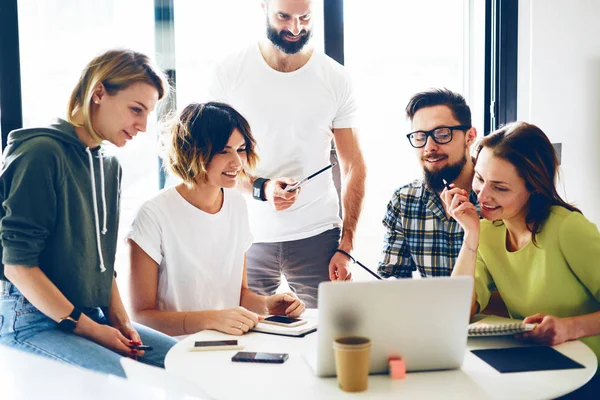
[{"x": 67, "y": 324}]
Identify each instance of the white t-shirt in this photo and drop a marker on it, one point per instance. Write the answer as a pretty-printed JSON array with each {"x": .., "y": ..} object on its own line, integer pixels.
[
  {"x": 200, "y": 256},
  {"x": 291, "y": 115}
]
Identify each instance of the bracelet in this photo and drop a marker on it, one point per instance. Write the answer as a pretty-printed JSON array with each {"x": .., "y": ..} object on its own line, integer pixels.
[
  {"x": 470, "y": 249},
  {"x": 346, "y": 254}
]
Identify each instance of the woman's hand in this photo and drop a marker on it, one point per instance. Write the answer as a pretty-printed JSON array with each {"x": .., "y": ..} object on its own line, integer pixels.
[
  {"x": 129, "y": 332},
  {"x": 285, "y": 304},
  {"x": 107, "y": 336},
  {"x": 458, "y": 206},
  {"x": 134, "y": 337},
  {"x": 550, "y": 330},
  {"x": 233, "y": 321}
]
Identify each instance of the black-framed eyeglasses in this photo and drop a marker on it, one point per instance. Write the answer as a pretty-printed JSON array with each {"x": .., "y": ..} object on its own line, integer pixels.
[{"x": 440, "y": 135}]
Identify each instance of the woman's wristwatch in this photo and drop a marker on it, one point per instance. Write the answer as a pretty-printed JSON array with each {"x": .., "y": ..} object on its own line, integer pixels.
[{"x": 69, "y": 322}]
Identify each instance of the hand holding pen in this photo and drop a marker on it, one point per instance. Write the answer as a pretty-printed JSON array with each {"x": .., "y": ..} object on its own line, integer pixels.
[
  {"x": 457, "y": 205},
  {"x": 297, "y": 186},
  {"x": 278, "y": 196},
  {"x": 282, "y": 192}
]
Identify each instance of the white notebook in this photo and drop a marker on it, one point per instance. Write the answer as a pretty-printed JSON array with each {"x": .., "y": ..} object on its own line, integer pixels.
[{"x": 498, "y": 326}]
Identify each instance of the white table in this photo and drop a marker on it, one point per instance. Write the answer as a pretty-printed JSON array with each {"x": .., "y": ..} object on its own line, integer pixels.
[
  {"x": 25, "y": 376},
  {"x": 221, "y": 378}
]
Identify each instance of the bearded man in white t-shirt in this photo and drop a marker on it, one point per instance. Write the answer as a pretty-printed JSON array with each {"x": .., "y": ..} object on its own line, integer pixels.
[{"x": 297, "y": 100}]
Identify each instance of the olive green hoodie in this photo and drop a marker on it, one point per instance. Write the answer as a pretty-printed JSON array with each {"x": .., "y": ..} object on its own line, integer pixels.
[{"x": 60, "y": 211}]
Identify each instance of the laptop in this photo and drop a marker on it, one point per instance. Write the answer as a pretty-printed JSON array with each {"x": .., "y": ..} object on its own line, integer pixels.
[{"x": 424, "y": 321}]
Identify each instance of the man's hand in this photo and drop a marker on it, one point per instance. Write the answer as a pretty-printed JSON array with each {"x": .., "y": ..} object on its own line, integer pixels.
[
  {"x": 276, "y": 194},
  {"x": 339, "y": 267}
]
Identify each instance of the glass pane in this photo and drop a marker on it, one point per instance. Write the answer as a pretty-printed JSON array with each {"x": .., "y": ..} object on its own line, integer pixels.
[
  {"x": 394, "y": 49},
  {"x": 57, "y": 39}
]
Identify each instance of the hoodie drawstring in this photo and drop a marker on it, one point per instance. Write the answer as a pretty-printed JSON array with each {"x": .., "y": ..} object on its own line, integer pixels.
[
  {"x": 93, "y": 180},
  {"x": 103, "y": 193}
]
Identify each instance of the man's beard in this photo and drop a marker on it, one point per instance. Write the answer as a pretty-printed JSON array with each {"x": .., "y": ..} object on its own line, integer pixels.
[
  {"x": 277, "y": 38},
  {"x": 433, "y": 179}
]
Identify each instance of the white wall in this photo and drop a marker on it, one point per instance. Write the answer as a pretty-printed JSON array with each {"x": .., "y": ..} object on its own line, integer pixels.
[{"x": 559, "y": 89}]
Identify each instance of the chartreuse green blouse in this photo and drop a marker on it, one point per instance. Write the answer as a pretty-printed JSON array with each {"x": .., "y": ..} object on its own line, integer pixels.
[{"x": 560, "y": 276}]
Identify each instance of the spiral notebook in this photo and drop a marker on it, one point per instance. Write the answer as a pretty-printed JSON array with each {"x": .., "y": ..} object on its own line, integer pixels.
[{"x": 498, "y": 326}]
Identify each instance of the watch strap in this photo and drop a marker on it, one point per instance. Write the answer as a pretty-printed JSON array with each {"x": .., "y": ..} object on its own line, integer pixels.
[
  {"x": 258, "y": 189},
  {"x": 69, "y": 322}
]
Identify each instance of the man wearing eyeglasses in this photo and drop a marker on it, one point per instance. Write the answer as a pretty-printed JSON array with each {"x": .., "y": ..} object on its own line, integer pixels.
[{"x": 420, "y": 236}]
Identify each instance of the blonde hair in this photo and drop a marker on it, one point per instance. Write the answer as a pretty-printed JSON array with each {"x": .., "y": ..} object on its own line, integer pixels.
[
  {"x": 116, "y": 70},
  {"x": 198, "y": 133}
]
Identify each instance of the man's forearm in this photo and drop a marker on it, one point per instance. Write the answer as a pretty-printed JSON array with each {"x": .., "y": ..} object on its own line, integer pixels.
[{"x": 352, "y": 198}]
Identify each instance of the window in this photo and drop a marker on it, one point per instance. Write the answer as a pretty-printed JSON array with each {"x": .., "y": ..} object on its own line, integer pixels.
[
  {"x": 394, "y": 49},
  {"x": 57, "y": 39},
  {"x": 206, "y": 31}
]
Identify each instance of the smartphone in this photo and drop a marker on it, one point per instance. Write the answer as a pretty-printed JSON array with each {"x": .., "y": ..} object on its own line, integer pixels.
[
  {"x": 269, "y": 358},
  {"x": 212, "y": 345},
  {"x": 283, "y": 321},
  {"x": 142, "y": 347},
  {"x": 291, "y": 188}
]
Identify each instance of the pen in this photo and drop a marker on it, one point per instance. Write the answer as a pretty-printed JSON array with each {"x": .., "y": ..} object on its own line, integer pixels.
[
  {"x": 446, "y": 184},
  {"x": 354, "y": 260},
  {"x": 369, "y": 270},
  {"x": 317, "y": 173},
  {"x": 303, "y": 181}
]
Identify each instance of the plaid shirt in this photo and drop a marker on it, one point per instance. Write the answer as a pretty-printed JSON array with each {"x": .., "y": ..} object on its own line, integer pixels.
[{"x": 418, "y": 235}]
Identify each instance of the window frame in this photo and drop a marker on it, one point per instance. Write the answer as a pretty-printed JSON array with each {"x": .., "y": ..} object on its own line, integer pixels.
[{"x": 500, "y": 65}]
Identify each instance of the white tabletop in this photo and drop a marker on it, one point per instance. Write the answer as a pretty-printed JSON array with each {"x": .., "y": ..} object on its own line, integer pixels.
[
  {"x": 25, "y": 376},
  {"x": 223, "y": 379}
]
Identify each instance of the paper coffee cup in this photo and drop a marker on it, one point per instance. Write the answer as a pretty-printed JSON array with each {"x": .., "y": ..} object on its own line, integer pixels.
[{"x": 352, "y": 356}]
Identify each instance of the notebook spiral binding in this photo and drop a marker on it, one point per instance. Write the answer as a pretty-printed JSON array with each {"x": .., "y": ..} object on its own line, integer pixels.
[{"x": 504, "y": 329}]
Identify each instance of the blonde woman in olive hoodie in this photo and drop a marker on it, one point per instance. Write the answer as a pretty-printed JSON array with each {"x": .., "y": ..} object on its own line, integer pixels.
[{"x": 59, "y": 221}]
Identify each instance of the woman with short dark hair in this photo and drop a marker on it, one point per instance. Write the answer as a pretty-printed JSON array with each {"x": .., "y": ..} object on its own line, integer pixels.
[{"x": 188, "y": 243}]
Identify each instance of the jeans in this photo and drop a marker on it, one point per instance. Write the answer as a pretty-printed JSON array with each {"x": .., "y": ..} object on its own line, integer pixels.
[
  {"x": 304, "y": 262},
  {"x": 24, "y": 327}
]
